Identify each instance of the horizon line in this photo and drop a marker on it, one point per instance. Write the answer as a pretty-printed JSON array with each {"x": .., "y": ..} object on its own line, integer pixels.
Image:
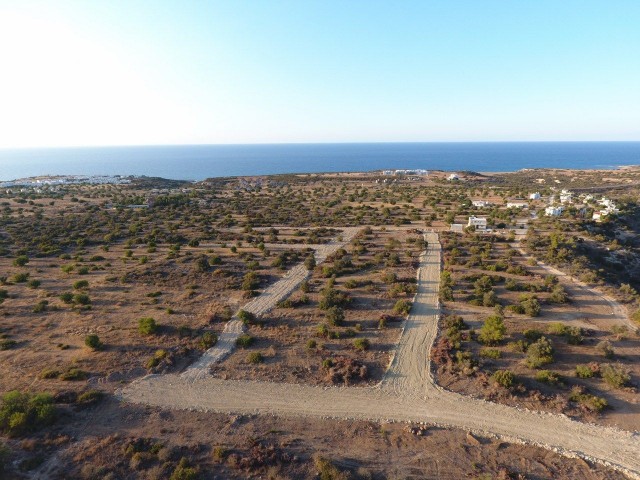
[{"x": 142, "y": 145}]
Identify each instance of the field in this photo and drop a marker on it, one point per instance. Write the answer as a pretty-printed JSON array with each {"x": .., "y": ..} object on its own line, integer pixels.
[{"x": 308, "y": 280}]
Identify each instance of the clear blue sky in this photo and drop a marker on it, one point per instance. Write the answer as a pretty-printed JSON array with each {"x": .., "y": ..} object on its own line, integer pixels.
[{"x": 158, "y": 72}]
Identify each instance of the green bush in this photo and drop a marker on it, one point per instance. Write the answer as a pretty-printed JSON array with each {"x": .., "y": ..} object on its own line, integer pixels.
[
  {"x": 402, "y": 307},
  {"x": 73, "y": 374},
  {"x": 20, "y": 277},
  {"x": 80, "y": 284},
  {"x": 540, "y": 353},
  {"x": 590, "y": 402},
  {"x": 547, "y": 376},
  {"x": 33, "y": 283},
  {"x": 81, "y": 299},
  {"x": 504, "y": 378},
  {"x": 244, "y": 341},
  {"x": 584, "y": 371},
  {"x": 208, "y": 340},
  {"x": 361, "y": 344},
  {"x": 66, "y": 297},
  {"x": 490, "y": 353},
  {"x": 311, "y": 344},
  {"x": 93, "y": 342},
  {"x": 616, "y": 376},
  {"x": 147, "y": 326},
  {"x": 255, "y": 358},
  {"x": 7, "y": 344},
  {"x": 493, "y": 330},
  {"x": 21, "y": 413},
  {"x": 335, "y": 316},
  {"x": 246, "y": 317},
  {"x": 90, "y": 397},
  {"x": 557, "y": 328},
  {"x": 20, "y": 261},
  {"x": 183, "y": 471},
  {"x": 532, "y": 334},
  {"x": 49, "y": 373}
]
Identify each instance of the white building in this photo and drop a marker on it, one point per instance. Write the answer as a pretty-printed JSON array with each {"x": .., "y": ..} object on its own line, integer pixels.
[
  {"x": 479, "y": 222},
  {"x": 517, "y": 205},
  {"x": 534, "y": 196},
  {"x": 480, "y": 203},
  {"x": 453, "y": 176},
  {"x": 553, "y": 211},
  {"x": 566, "y": 196}
]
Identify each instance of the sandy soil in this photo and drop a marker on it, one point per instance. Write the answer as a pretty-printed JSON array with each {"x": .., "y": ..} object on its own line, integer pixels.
[{"x": 407, "y": 394}]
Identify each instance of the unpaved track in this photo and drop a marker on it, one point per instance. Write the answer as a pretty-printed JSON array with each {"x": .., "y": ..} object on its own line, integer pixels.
[
  {"x": 618, "y": 311},
  {"x": 261, "y": 305},
  {"x": 408, "y": 393}
]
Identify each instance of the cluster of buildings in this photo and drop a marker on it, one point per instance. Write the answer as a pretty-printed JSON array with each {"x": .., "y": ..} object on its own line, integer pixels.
[
  {"x": 417, "y": 171},
  {"x": 38, "y": 183},
  {"x": 608, "y": 207}
]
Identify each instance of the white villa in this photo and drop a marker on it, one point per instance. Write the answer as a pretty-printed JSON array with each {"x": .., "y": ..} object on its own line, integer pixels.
[
  {"x": 534, "y": 196},
  {"x": 553, "y": 211},
  {"x": 566, "y": 196},
  {"x": 480, "y": 203},
  {"x": 517, "y": 205},
  {"x": 479, "y": 222},
  {"x": 453, "y": 176}
]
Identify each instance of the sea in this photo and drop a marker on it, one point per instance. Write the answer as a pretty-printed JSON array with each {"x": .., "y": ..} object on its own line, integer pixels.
[{"x": 198, "y": 162}]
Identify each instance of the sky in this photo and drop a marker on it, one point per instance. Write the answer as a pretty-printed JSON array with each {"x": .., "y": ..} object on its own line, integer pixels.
[{"x": 136, "y": 72}]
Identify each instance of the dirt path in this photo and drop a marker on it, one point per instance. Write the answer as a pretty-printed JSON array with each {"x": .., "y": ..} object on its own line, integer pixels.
[
  {"x": 618, "y": 313},
  {"x": 261, "y": 305},
  {"x": 408, "y": 393}
]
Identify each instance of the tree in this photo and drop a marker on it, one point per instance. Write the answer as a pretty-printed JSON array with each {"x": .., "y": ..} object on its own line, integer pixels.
[
  {"x": 540, "y": 353},
  {"x": 335, "y": 316},
  {"x": 310, "y": 262},
  {"x": 493, "y": 330}
]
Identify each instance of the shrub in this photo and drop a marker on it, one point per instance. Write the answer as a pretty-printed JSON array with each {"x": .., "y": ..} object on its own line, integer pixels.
[
  {"x": 532, "y": 334},
  {"x": 83, "y": 270},
  {"x": 504, "y": 378},
  {"x": 20, "y": 277},
  {"x": 183, "y": 471},
  {"x": 66, "y": 297},
  {"x": 147, "y": 326},
  {"x": 49, "y": 373},
  {"x": 539, "y": 353},
  {"x": 93, "y": 342},
  {"x": 81, "y": 299},
  {"x": 590, "y": 402},
  {"x": 80, "y": 284},
  {"x": 244, "y": 341},
  {"x": 547, "y": 376},
  {"x": 24, "y": 412},
  {"x": 41, "y": 306},
  {"x": 310, "y": 262},
  {"x": 255, "y": 358},
  {"x": 208, "y": 340},
  {"x": 361, "y": 344},
  {"x": 531, "y": 306},
  {"x": 73, "y": 374},
  {"x": 490, "y": 353},
  {"x": 20, "y": 261},
  {"x": 33, "y": 283},
  {"x": 584, "y": 371},
  {"x": 246, "y": 317},
  {"x": 311, "y": 344},
  {"x": 493, "y": 330},
  {"x": 158, "y": 356},
  {"x": 335, "y": 316},
  {"x": 606, "y": 349},
  {"x": 402, "y": 307},
  {"x": 557, "y": 328},
  {"x": 90, "y": 397},
  {"x": 616, "y": 376},
  {"x": 7, "y": 344},
  {"x": 351, "y": 284}
]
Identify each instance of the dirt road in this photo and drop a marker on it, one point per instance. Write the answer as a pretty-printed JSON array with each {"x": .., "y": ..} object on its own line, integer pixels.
[
  {"x": 408, "y": 393},
  {"x": 261, "y": 305}
]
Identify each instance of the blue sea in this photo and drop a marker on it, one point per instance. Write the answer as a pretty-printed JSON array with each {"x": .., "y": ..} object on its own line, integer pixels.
[{"x": 197, "y": 162}]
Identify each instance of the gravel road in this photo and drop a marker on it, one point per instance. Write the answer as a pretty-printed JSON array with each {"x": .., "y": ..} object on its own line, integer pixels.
[
  {"x": 407, "y": 393},
  {"x": 261, "y": 305}
]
